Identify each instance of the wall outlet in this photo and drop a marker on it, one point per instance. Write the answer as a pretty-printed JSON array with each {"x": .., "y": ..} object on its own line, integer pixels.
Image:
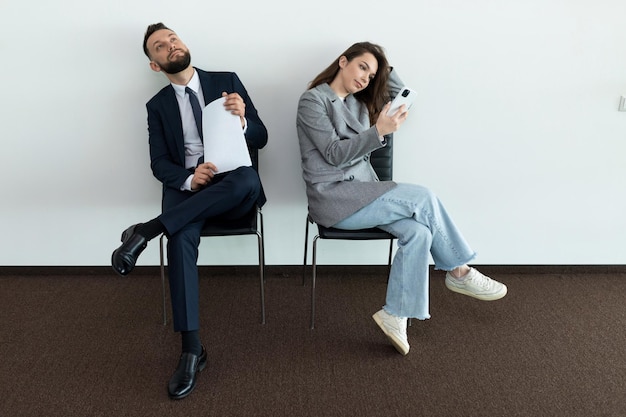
[{"x": 622, "y": 103}]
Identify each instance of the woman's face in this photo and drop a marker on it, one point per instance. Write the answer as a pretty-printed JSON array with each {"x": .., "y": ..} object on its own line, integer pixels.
[{"x": 355, "y": 75}]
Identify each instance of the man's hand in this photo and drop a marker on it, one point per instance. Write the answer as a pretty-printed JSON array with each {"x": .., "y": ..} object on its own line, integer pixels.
[
  {"x": 235, "y": 105},
  {"x": 203, "y": 175}
]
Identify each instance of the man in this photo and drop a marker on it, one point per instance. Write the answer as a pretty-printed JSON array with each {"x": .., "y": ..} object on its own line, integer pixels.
[{"x": 194, "y": 190}]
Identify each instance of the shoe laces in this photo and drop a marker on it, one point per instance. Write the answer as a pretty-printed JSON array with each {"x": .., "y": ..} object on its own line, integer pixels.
[
  {"x": 476, "y": 278},
  {"x": 400, "y": 323}
]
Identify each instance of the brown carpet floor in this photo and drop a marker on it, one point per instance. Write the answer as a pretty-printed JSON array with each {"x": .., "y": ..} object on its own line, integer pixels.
[{"x": 92, "y": 344}]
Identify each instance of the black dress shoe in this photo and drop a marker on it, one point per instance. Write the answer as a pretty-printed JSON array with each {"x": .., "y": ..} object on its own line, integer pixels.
[
  {"x": 124, "y": 258},
  {"x": 184, "y": 379}
]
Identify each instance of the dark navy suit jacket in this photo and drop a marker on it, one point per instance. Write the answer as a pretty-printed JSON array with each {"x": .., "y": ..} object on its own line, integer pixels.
[{"x": 167, "y": 151}]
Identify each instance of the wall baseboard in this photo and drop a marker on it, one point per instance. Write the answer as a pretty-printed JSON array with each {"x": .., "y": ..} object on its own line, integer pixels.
[{"x": 296, "y": 270}]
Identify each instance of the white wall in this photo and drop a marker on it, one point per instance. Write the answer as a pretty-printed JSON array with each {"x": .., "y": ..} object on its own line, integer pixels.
[{"x": 516, "y": 127}]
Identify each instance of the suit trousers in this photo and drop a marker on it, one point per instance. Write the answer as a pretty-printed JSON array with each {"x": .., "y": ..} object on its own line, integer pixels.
[
  {"x": 415, "y": 216},
  {"x": 184, "y": 213}
]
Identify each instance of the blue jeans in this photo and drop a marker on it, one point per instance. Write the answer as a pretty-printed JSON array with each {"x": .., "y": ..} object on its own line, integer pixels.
[{"x": 417, "y": 218}]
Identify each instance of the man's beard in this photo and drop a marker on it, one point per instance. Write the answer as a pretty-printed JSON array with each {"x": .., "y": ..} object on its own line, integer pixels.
[{"x": 174, "y": 67}]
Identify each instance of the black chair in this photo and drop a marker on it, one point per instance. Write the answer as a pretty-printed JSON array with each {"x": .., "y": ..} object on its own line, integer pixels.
[
  {"x": 250, "y": 224},
  {"x": 382, "y": 162}
]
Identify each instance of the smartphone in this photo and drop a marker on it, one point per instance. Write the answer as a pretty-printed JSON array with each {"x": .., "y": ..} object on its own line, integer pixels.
[{"x": 405, "y": 96}]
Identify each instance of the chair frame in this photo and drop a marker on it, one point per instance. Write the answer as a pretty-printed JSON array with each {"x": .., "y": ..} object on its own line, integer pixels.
[
  {"x": 338, "y": 234},
  {"x": 239, "y": 232}
]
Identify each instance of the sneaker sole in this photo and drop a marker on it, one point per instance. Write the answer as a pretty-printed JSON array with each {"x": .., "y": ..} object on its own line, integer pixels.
[
  {"x": 397, "y": 343},
  {"x": 483, "y": 297}
]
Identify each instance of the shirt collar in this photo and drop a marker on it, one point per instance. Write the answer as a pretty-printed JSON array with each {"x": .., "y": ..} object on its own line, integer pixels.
[{"x": 194, "y": 84}]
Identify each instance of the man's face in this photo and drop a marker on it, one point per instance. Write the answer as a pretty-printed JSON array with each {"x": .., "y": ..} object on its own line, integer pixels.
[{"x": 167, "y": 53}]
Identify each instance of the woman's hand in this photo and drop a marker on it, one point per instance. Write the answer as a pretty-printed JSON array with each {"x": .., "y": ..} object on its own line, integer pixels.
[{"x": 390, "y": 123}]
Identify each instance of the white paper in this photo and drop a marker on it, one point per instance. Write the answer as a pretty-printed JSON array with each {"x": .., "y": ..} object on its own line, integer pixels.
[{"x": 224, "y": 142}]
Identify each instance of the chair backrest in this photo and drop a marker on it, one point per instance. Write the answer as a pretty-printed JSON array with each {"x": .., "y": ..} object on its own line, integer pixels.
[{"x": 382, "y": 160}]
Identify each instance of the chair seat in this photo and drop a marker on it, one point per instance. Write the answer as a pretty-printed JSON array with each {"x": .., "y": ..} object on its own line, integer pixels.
[
  {"x": 360, "y": 234},
  {"x": 246, "y": 225}
]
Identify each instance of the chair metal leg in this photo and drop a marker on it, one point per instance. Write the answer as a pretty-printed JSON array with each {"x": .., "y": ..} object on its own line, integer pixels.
[
  {"x": 163, "y": 279},
  {"x": 306, "y": 241},
  {"x": 261, "y": 277},
  {"x": 390, "y": 252},
  {"x": 314, "y": 266},
  {"x": 262, "y": 267}
]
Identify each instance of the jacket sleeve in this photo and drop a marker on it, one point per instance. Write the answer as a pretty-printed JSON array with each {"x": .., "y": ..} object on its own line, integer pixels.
[
  {"x": 256, "y": 134},
  {"x": 316, "y": 125},
  {"x": 395, "y": 83}
]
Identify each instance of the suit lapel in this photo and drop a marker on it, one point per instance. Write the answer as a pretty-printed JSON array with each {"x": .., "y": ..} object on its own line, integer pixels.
[
  {"x": 171, "y": 113},
  {"x": 209, "y": 86},
  {"x": 204, "y": 84}
]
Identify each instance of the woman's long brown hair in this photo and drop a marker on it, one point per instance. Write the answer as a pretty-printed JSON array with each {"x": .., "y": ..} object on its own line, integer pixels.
[{"x": 376, "y": 94}]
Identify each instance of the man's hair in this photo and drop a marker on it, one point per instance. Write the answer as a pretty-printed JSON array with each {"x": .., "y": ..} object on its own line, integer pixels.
[{"x": 151, "y": 29}]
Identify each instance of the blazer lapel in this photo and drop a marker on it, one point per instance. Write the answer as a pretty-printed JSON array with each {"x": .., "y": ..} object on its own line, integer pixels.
[
  {"x": 355, "y": 117},
  {"x": 347, "y": 110}
]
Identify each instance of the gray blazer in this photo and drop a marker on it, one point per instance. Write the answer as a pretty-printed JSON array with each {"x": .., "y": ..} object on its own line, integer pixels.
[{"x": 336, "y": 140}]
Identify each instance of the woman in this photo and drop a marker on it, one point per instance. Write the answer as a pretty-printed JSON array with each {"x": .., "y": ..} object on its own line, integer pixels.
[{"x": 341, "y": 119}]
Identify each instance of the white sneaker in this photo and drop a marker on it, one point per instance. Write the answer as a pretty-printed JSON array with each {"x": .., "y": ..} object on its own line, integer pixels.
[
  {"x": 476, "y": 285},
  {"x": 395, "y": 329}
]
